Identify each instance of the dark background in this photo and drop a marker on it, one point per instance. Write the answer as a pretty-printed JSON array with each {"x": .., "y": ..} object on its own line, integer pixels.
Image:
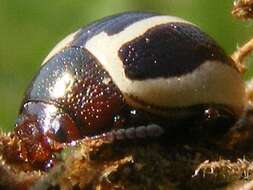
[{"x": 30, "y": 28}]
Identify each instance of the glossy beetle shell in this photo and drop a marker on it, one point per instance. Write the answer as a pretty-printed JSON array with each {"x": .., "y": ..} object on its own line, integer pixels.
[{"x": 125, "y": 71}]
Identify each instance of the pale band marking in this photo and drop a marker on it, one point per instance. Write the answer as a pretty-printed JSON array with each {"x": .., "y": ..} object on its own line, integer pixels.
[
  {"x": 212, "y": 82},
  {"x": 60, "y": 46}
]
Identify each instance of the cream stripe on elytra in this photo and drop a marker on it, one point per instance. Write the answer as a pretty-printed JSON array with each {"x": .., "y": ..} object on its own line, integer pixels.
[
  {"x": 106, "y": 48},
  {"x": 206, "y": 80},
  {"x": 60, "y": 46},
  {"x": 206, "y": 84}
]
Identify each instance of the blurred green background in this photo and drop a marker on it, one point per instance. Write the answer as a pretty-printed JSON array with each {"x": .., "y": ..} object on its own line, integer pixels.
[{"x": 30, "y": 28}]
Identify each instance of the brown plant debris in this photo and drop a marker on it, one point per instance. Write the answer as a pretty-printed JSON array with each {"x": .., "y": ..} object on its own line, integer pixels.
[
  {"x": 12, "y": 178},
  {"x": 145, "y": 166},
  {"x": 138, "y": 164},
  {"x": 228, "y": 170},
  {"x": 243, "y": 9}
]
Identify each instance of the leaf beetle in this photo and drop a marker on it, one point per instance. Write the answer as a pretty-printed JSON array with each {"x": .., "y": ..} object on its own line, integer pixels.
[{"x": 134, "y": 74}]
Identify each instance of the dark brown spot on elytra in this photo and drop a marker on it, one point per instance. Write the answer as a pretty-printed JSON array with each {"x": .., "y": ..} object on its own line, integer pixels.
[{"x": 169, "y": 50}]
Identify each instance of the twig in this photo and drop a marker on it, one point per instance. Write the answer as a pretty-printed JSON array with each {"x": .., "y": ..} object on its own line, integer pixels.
[{"x": 241, "y": 53}]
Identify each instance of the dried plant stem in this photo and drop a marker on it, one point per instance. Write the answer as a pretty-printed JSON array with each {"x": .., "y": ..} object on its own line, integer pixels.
[{"x": 240, "y": 54}]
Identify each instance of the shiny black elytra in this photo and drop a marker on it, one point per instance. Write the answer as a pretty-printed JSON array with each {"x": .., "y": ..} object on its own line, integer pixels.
[{"x": 74, "y": 95}]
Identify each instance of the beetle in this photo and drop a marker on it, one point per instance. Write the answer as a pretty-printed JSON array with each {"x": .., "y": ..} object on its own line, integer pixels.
[{"x": 133, "y": 74}]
